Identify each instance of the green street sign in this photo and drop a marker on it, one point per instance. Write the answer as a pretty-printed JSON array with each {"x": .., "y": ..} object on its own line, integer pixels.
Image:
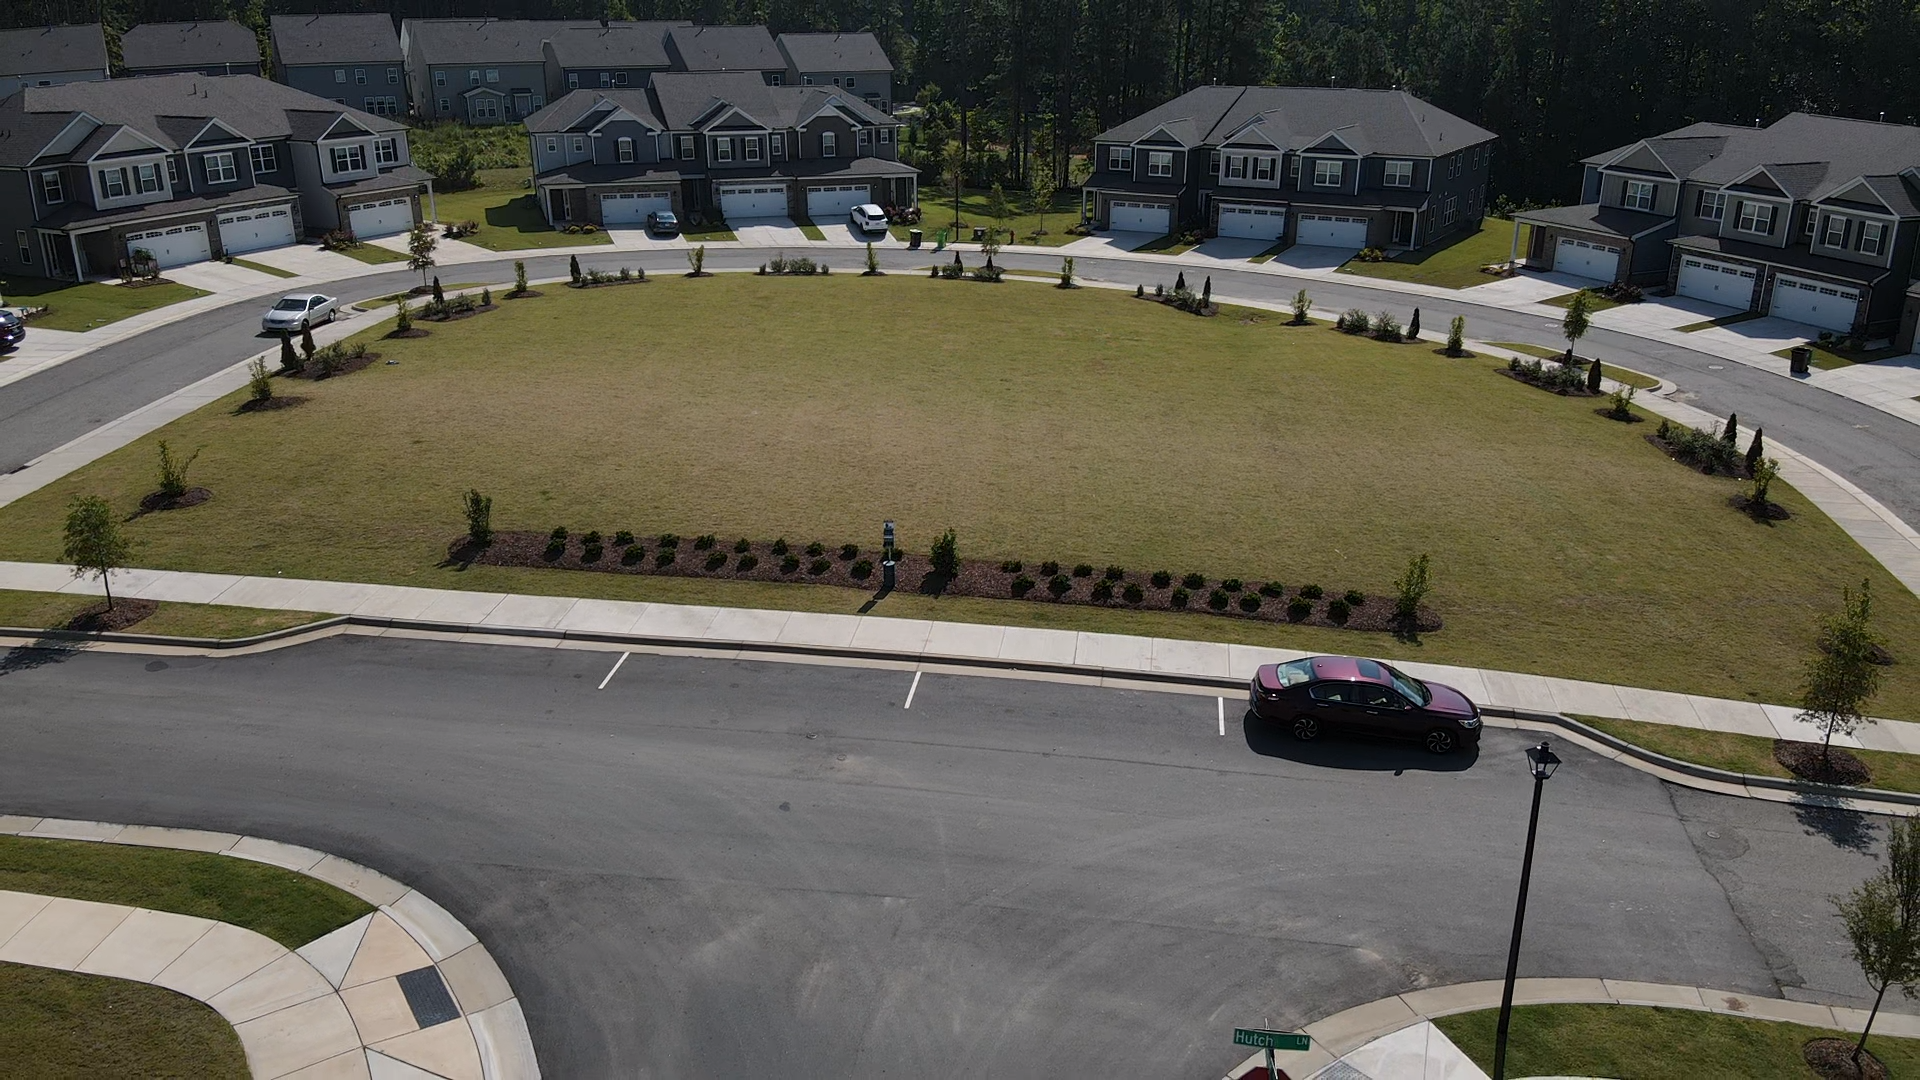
[{"x": 1270, "y": 1040}]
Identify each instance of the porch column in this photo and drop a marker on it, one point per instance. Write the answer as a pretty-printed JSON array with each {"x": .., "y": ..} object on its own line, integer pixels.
[
  {"x": 1513, "y": 253},
  {"x": 79, "y": 268},
  {"x": 433, "y": 209}
]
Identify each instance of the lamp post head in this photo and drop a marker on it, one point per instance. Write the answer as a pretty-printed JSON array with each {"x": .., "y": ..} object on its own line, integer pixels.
[{"x": 1541, "y": 761}]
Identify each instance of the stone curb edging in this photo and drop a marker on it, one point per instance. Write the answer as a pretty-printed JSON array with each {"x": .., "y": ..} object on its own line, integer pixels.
[
  {"x": 1673, "y": 770},
  {"x": 487, "y": 1002},
  {"x": 1344, "y": 1032}
]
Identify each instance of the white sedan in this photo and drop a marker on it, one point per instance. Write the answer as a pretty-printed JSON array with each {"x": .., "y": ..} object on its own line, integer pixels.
[
  {"x": 298, "y": 312},
  {"x": 868, "y": 218}
]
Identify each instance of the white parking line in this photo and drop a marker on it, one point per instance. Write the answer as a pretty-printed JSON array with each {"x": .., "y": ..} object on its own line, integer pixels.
[
  {"x": 911, "y": 689},
  {"x": 1223, "y": 715},
  {"x": 616, "y": 667}
]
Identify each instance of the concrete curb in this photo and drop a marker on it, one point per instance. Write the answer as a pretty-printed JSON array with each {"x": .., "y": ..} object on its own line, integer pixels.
[
  {"x": 1673, "y": 770},
  {"x": 491, "y": 1009}
]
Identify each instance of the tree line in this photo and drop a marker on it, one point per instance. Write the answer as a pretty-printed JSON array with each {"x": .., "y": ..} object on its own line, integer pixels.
[{"x": 1556, "y": 79}]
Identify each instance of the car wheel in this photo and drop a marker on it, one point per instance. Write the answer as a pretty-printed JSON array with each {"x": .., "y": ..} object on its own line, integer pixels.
[
  {"x": 1441, "y": 741},
  {"x": 1306, "y": 728},
  {"x": 303, "y": 325}
]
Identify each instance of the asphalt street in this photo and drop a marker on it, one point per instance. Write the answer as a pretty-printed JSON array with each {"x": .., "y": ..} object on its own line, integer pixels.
[{"x": 732, "y": 868}]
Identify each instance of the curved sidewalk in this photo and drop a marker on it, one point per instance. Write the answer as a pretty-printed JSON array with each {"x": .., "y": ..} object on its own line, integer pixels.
[{"x": 403, "y": 992}]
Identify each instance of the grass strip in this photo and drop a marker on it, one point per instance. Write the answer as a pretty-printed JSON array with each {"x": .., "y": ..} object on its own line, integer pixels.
[
  {"x": 63, "y": 1024},
  {"x": 263, "y": 268},
  {"x": 1724, "y": 320},
  {"x": 1749, "y": 754}
]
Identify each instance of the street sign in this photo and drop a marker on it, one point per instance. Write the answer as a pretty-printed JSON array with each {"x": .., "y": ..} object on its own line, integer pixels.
[{"x": 1270, "y": 1040}]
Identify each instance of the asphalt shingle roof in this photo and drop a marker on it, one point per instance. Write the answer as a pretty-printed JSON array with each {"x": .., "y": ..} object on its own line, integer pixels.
[
  {"x": 1811, "y": 156},
  {"x": 682, "y": 97},
  {"x": 52, "y": 48},
  {"x": 571, "y": 111},
  {"x": 724, "y": 48},
  {"x": 1383, "y": 121},
  {"x": 188, "y": 44},
  {"x": 615, "y": 45},
  {"x": 834, "y": 52},
  {"x": 479, "y": 41},
  {"x": 335, "y": 39}
]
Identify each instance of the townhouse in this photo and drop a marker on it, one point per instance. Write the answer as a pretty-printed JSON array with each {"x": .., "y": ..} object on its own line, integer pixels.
[
  {"x": 853, "y": 62},
  {"x": 98, "y": 176},
  {"x": 1812, "y": 218},
  {"x": 478, "y": 71},
  {"x": 715, "y": 145},
  {"x": 1323, "y": 166},
  {"x": 348, "y": 59},
  {"x": 206, "y": 48},
  {"x": 604, "y": 55},
  {"x": 51, "y": 55}
]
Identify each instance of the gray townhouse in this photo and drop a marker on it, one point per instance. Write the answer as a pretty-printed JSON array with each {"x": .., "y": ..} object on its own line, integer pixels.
[
  {"x": 189, "y": 167},
  {"x": 715, "y": 145},
  {"x": 348, "y": 59},
  {"x": 1812, "y": 218},
  {"x": 477, "y": 71},
  {"x": 51, "y": 55},
  {"x": 853, "y": 62},
  {"x": 206, "y": 48},
  {"x": 1322, "y": 166},
  {"x": 604, "y": 56},
  {"x": 726, "y": 48}
]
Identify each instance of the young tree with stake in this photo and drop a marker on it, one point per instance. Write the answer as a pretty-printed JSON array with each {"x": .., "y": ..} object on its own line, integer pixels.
[
  {"x": 1040, "y": 192},
  {"x": 420, "y": 245},
  {"x": 93, "y": 543},
  {"x": 1578, "y": 319},
  {"x": 1882, "y": 918},
  {"x": 1842, "y": 677}
]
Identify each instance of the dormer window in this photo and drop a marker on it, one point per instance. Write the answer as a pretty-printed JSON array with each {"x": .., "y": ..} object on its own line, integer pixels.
[
  {"x": 51, "y": 192},
  {"x": 722, "y": 150},
  {"x": 827, "y": 145},
  {"x": 1236, "y": 167},
  {"x": 1263, "y": 168},
  {"x": 1160, "y": 163},
  {"x": 146, "y": 179},
  {"x": 1756, "y": 218},
  {"x": 113, "y": 183},
  {"x": 624, "y": 147},
  {"x": 1637, "y": 195}
]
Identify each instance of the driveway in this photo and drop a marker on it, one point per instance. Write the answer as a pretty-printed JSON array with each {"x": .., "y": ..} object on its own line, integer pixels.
[
  {"x": 310, "y": 260},
  {"x": 843, "y": 234},
  {"x": 643, "y": 239},
  {"x": 1661, "y": 313},
  {"x": 217, "y": 277},
  {"x": 774, "y": 232},
  {"x": 1527, "y": 287},
  {"x": 1228, "y": 249},
  {"x": 1309, "y": 259},
  {"x": 1107, "y": 243},
  {"x": 1767, "y": 335}
]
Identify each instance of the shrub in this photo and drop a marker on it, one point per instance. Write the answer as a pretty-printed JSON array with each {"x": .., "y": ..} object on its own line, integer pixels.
[
  {"x": 819, "y": 566},
  {"x": 862, "y": 569},
  {"x": 1217, "y": 600},
  {"x": 1102, "y": 591},
  {"x": 591, "y": 552},
  {"x": 559, "y": 533},
  {"x": 1413, "y": 325},
  {"x": 1250, "y": 602},
  {"x": 623, "y": 538},
  {"x": 1337, "y": 610},
  {"x": 402, "y": 316},
  {"x": 1133, "y": 594},
  {"x": 1355, "y": 321},
  {"x": 946, "y": 555},
  {"x": 1311, "y": 592},
  {"x": 486, "y": 297},
  {"x": 789, "y": 564},
  {"x": 1083, "y": 570},
  {"x": 259, "y": 383},
  {"x": 1232, "y": 584},
  {"x": 1049, "y": 568},
  {"x": 1011, "y": 566},
  {"x": 1594, "y": 374},
  {"x": 1755, "y": 449},
  {"x": 1457, "y": 335},
  {"x": 1620, "y": 402},
  {"x": 780, "y": 546},
  {"x": 555, "y": 549},
  {"x": 1161, "y": 579},
  {"x": 665, "y": 556},
  {"x": 716, "y": 560},
  {"x": 1411, "y": 588},
  {"x": 479, "y": 518},
  {"x": 1194, "y": 581},
  {"x": 592, "y": 536},
  {"x": 1354, "y": 597},
  {"x": 289, "y": 360},
  {"x": 669, "y": 540},
  {"x": 816, "y": 549},
  {"x": 742, "y": 546},
  {"x": 1299, "y": 608},
  {"x": 519, "y": 276},
  {"x": 1115, "y": 573},
  {"x": 697, "y": 258},
  {"x": 704, "y": 541},
  {"x": 849, "y": 552},
  {"x": 1022, "y": 585},
  {"x": 1764, "y": 472},
  {"x": 173, "y": 471},
  {"x": 747, "y": 562},
  {"x": 1703, "y": 449},
  {"x": 633, "y": 554},
  {"x": 1139, "y": 292},
  {"x": 1066, "y": 272},
  {"x": 1273, "y": 590},
  {"x": 1058, "y": 584},
  {"x": 1178, "y": 598},
  {"x": 1301, "y": 306},
  {"x": 1386, "y": 327}
]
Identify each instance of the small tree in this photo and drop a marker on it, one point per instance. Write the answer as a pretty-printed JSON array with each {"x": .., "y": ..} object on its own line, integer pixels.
[
  {"x": 1754, "y": 449},
  {"x": 573, "y": 268},
  {"x": 439, "y": 294},
  {"x": 1593, "y": 378},
  {"x": 420, "y": 245},
  {"x": 697, "y": 259},
  {"x": 403, "y": 316},
  {"x": 1763, "y": 472},
  {"x": 486, "y": 297},
  {"x": 997, "y": 204},
  {"x": 306, "y": 345},
  {"x": 873, "y": 261},
  {"x": 288, "y": 361},
  {"x": 946, "y": 555},
  {"x": 1841, "y": 677},
  {"x": 956, "y": 180},
  {"x": 1040, "y": 193},
  {"x": 94, "y": 544},
  {"x": 173, "y": 471},
  {"x": 1457, "y": 336},
  {"x": 1180, "y": 281},
  {"x": 990, "y": 246},
  {"x": 1301, "y": 306},
  {"x": 1411, "y": 589},
  {"x": 519, "y": 276},
  {"x": 1731, "y": 433},
  {"x": 1882, "y": 917},
  {"x": 1066, "y": 272},
  {"x": 1206, "y": 292},
  {"x": 1413, "y": 326},
  {"x": 259, "y": 385},
  {"x": 479, "y": 518},
  {"x": 1578, "y": 319}
]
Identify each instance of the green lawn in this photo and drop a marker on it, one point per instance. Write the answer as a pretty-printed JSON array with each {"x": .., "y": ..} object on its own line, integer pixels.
[
  {"x": 290, "y": 908},
  {"x": 90, "y": 305},
  {"x": 1455, "y": 264},
  {"x": 1595, "y": 301},
  {"x": 508, "y": 213},
  {"x": 1654, "y": 1044},
  {"x": 710, "y": 233},
  {"x": 1750, "y": 754},
  {"x": 936, "y": 213},
  {"x": 499, "y": 146},
  {"x": 1631, "y": 378},
  {"x": 62, "y": 1024},
  {"x": 810, "y": 230},
  {"x": 1830, "y": 359},
  {"x": 1087, "y": 427},
  {"x": 1166, "y": 245},
  {"x": 39, "y": 611},
  {"x": 1267, "y": 255},
  {"x": 263, "y": 268},
  {"x": 1724, "y": 320},
  {"x": 372, "y": 254}
]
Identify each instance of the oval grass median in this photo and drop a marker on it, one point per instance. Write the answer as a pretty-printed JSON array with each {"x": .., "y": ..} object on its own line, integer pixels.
[{"x": 1041, "y": 424}]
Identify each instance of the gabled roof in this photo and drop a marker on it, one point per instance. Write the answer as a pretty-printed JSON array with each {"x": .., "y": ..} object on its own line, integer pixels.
[
  {"x": 335, "y": 39},
  {"x": 52, "y": 48},
  {"x": 1180, "y": 130},
  {"x": 724, "y": 48},
  {"x": 188, "y": 44},
  {"x": 1898, "y": 195},
  {"x": 581, "y": 110},
  {"x": 1387, "y": 121},
  {"x": 1806, "y": 155},
  {"x": 833, "y": 52},
  {"x": 169, "y": 110},
  {"x": 612, "y": 45},
  {"x": 685, "y": 100},
  {"x": 478, "y": 41}
]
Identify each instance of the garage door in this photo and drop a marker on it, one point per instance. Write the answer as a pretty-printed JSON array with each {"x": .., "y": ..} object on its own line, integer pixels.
[
  {"x": 1317, "y": 230},
  {"x": 256, "y": 230},
  {"x": 632, "y": 207},
  {"x": 1717, "y": 283},
  {"x": 177, "y": 246},
  {"x": 1581, "y": 259},
  {"x": 1153, "y": 218},
  {"x": 384, "y": 217},
  {"x": 1816, "y": 303},
  {"x": 738, "y": 203},
  {"x": 825, "y": 204},
  {"x": 1252, "y": 222}
]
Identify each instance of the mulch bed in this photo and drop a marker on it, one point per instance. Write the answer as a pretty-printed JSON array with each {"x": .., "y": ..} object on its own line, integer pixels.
[
  {"x": 405, "y": 335},
  {"x": 529, "y": 294},
  {"x": 452, "y": 315},
  {"x": 1833, "y": 1060},
  {"x": 157, "y": 501},
  {"x": 1629, "y": 418},
  {"x": 144, "y": 283},
  {"x": 124, "y": 613},
  {"x": 1772, "y": 511},
  {"x": 315, "y": 372},
  {"x": 252, "y": 405},
  {"x": 1803, "y": 759},
  {"x": 1520, "y": 377},
  {"x": 914, "y": 574},
  {"x": 1667, "y": 448},
  {"x": 615, "y": 281}
]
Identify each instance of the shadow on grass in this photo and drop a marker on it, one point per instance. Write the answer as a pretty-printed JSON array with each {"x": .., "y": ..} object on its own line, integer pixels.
[
  {"x": 1269, "y": 738},
  {"x": 521, "y": 214}
]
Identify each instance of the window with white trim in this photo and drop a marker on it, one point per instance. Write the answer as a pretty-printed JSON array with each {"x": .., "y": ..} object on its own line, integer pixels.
[
  {"x": 773, "y": 78},
  {"x": 1120, "y": 159},
  {"x": 686, "y": 148},
  {"x": 623, "y": 148},
  {"x": 573, "y": 80},
  {"x": 146, "y": 179},
  {"x": 473, "y": 76},
  {"x": 1836, "y": 234},
  {"x": 493, "y": 75},
  {"x": 860, "y": 141},
  {"x": 1293, "y": 169},
  {"x": 51, "y": 192},
  {"x": 393, "y": 76},
  {"x": 445, "y": 105},
  {"x": 1756, "y": 218},
  {"x": 606, "y": 79},
  {"x": 439, "y": 78},
  {"x": 829, "y": 144},
  {"x": 26, "y": 249},
  {"x": 751, "y": 145},
  {"x": 553, "y": 144},
  {"x": 386, "y": 152},
  {"x": 779, "y": 144},
  {"x": 1637, "y": 195},
  {"x": 220, "y": 168},
  {"x": 340, "y": 75},
  {"x": 349, "y": 158},
  {"x": 360, "y": 76},
  {"x": 619, "y": 78},
  {"x": 113, "y": 183},
  {"x": 1160, "y": 163},
  {"x": 1872, "y": 235},
  {"x": 264, "y": 159},
  {"x": 1264, "y": 168},
  {"x": 173, "y": 171},
  {"x": 1328, "y": 172},
  {"x": 1398, "y": 174},
  {"x": 849, "y": 82},
  {"x": 1711, "y": 205},
  {"x": 886, "y": 134},
  {"x": 1235, "y": 166},
  {"x": 722, "y": 150}
]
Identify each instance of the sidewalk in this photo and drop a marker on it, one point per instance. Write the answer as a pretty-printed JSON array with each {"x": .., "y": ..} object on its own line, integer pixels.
[{"x": 406, "y": 991}]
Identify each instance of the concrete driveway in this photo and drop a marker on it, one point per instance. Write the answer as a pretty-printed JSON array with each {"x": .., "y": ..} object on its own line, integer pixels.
[
  {"x": 1662, "y": 313},
  {"x": 1527, "y": 287},
  {"x": 225, "y": 279},
  {"x": 1309, "y": 259},
  {"x": 1765, "y": 335},
  {"x": 843, "y": 234},
  {"x": 1230, "y": 249},
  {"x": 309, "y": 260},
  {"x": 776, "y": 231},
  {"x": 1109, "y": 242},
  {"x": 643, "y": 239}
]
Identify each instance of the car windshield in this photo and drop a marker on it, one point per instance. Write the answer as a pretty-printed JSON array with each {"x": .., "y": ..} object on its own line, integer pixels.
[
  {"x": 1294, "y": 673},
  {"x": 1413, "y": 688},
  {"x": 291, "y": 303},
  {"x": 664, "y": 215}
]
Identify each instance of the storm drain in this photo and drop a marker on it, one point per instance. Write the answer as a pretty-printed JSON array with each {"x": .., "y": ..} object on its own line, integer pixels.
[{"x": 428, "y": 998}]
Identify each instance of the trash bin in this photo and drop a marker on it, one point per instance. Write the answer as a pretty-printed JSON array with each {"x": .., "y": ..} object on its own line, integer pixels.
[
  {"x": 1800, "y": 359},
  {"x": 913, "y": 239},
  {"x": 979, "y": 233}
]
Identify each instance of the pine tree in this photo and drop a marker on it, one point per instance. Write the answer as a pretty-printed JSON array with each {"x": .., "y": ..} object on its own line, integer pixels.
[
  {"x": 438, "y": 296},
  {"x": 1593, "y": 378},
  {"x": 1732, "y": 431},
  {"x": 1413, "y": 326},
  {"x": 573, "y": 268},
  {"x": 1754, "y": 451}
]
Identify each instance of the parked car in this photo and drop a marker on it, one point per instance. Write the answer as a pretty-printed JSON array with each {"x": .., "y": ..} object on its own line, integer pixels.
[
  {"x": 1318, "y": 694},
  {"x": 13, "y": 329},
  {"x": 298, "y": 312},
  {"x": 868, "y": 218},
  {"x": 663, "y": 222}
]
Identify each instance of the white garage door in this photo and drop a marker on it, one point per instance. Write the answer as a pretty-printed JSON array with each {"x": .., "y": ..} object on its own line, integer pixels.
[
  {"x": 256, "y": 230},
  {"x": 1581, "y": 259},
  {"x": 827, "y": 204},
  {"x": 1252, "y": 222},
  {"x": 1320, "y": 231},
  {"x": 753, "y": 202},
  {"x": 380, "y": 218},
  {"x": 1716, "y": 283},
  {"x": 1816, "y": 303},
  {"x": 177, "y": 246},
  {"x": 1156, "y": 218},
  {"x": 632, "y": 207}
]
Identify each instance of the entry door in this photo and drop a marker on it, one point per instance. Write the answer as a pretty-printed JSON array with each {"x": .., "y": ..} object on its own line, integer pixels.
[{"x": 557, "y": 205}]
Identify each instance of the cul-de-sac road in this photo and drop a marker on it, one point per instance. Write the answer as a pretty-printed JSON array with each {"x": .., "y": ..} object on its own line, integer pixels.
[{"x": 718, "y": 867}]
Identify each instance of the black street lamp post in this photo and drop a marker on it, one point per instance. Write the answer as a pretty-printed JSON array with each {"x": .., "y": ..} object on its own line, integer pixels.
[{"x": 1541, "y": 761}]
